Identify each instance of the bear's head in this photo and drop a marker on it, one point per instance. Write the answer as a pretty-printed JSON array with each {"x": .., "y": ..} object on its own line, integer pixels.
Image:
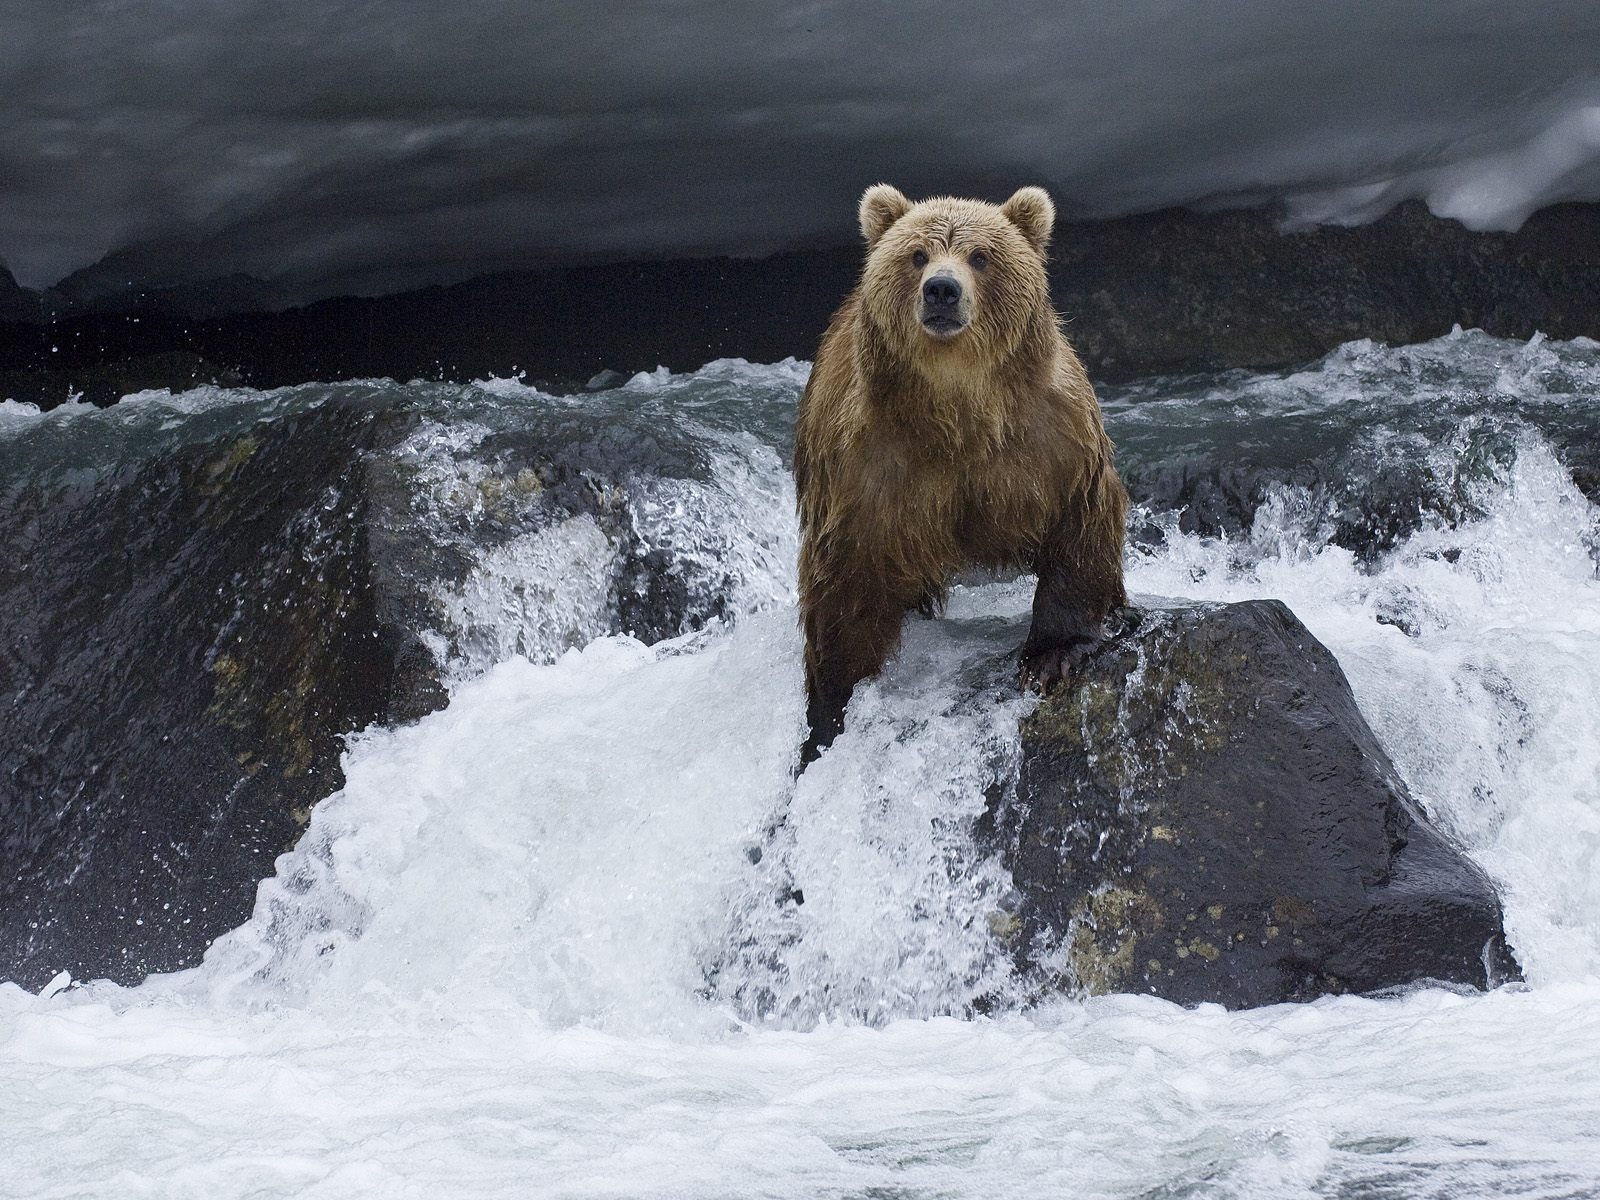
[{"x": 956, "y": 282}]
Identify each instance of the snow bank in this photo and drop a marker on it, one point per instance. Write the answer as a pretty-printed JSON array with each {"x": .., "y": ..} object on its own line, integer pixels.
[{"x": 341, "y": 145}]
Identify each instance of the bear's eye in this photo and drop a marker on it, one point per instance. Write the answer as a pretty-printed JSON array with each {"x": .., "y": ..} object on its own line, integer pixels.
[
  {"x": 919, "y": 259},
  {"x": 979, "y": 260}
]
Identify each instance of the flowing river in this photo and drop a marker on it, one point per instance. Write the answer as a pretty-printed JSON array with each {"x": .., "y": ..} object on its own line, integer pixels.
[{"x": 527, "y": 949}]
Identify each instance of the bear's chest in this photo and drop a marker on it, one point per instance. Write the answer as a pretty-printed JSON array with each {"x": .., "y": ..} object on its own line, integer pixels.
[
  {"x": 1001, "y": 516},
  {"x": 983, "y": 509}
]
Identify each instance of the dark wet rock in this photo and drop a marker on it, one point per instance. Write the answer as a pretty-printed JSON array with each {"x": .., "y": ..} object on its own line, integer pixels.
[
  {"x": 185, "y": 641},
  {"x": 1209, "y": 497},
  {"x": 1365, "y": 507},
  {"x": 1175, "y": 291},
  {"x": 1364, "y": 483},
  {"x": 188, "y": 638},
  {"x": 1203, "y": 814}
]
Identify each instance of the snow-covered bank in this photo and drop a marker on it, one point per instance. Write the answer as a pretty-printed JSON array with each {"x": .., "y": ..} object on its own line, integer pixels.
[{"x": 418, "y": 144}]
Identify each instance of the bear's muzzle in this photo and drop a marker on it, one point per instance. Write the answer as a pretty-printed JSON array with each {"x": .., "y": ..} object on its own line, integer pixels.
[{"x": 943, "y": 313}]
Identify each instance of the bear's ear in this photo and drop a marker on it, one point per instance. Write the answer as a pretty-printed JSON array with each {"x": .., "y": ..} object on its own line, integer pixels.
[
  {"x": 1031, "y": 210},
  {"x": 881, "y": 207}
]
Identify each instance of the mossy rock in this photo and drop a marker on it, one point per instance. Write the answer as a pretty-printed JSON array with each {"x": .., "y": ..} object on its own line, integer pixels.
[{"x": 1203, "y": 814}]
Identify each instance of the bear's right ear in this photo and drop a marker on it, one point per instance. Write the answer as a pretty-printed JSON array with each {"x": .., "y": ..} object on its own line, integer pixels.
[{"x": 881, "y": 207}]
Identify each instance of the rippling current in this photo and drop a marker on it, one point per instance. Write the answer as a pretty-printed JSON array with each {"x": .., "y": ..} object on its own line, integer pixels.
[{"x": 525, "y": 951}]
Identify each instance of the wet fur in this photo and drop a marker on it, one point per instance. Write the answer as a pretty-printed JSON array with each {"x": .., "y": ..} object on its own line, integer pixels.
[{"x": 915, "y": 458}]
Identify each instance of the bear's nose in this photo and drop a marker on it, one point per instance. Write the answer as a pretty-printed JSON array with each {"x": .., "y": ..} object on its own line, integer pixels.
[{"x": 942, "y": 291}]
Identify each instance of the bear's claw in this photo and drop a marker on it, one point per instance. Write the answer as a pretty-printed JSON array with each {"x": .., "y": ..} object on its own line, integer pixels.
[{"x": 1043, "y": 670}]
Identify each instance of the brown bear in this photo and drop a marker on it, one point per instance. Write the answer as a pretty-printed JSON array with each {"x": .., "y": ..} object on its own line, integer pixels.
[{"x": 947, "y": 423}]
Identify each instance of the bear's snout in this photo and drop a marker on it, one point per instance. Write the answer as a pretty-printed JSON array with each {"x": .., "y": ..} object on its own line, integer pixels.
[
  {"x": 942, "y": 291},
  {"x": 941, "y": 305}
]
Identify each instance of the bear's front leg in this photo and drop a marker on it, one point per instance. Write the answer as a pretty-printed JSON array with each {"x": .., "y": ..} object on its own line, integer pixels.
[
  {"x": 846, "y": 641},
  {"x": 1058, "y": 626},
  {"x": 1080, "y": 582}
]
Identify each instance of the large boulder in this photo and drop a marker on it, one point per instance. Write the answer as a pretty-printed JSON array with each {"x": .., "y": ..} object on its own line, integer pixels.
[
  {"x": 1203, "y": 814},
  {"x": 193, "y": 625},
  {"x": 185, "y": 639}
]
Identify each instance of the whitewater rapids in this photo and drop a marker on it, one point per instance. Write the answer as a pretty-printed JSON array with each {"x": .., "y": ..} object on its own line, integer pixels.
[{"x": 525, "y": 951}]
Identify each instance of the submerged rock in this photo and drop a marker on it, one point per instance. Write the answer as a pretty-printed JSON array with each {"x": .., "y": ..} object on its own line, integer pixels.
[{"x": 1203, "y": 814}]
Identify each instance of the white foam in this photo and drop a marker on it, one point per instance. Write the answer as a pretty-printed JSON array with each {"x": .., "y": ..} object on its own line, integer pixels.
[
  {"x": 536, "y": 596},
  {"x": 1432, "y": 1095}
]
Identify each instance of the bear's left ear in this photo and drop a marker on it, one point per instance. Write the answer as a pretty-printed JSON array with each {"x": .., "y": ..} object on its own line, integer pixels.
[
  {"x": 1031, "y": 210},
  {"x": 881, "y": 207}
]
